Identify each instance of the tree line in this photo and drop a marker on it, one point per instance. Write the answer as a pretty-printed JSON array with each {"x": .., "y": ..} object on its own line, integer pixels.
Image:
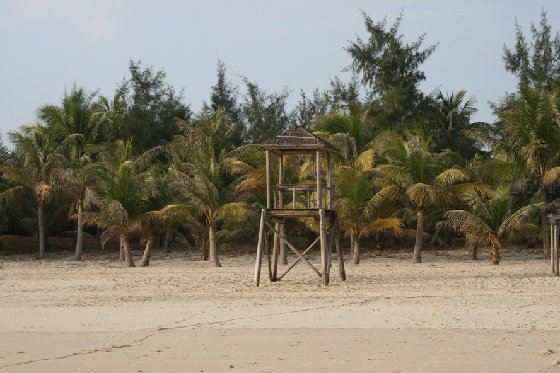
[{"x": 412, "y": 166}]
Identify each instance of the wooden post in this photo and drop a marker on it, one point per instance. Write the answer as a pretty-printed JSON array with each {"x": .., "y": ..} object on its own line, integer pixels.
[
  {"x": 555, "y": 249},
  {"x": 294, "y": 197},
  {"x": 267, "y": 252},
  {"x": 324, "y": 247},
  {"x": 260, "y": 245},
  {"x": 319, "y": 187},
  {"x": 329, "y": 181},
  {"x": 268, "y": 182},
  {"x": 280, "y": 180},
  {"x": 341, "y": 271},
  {"x": 281, "y": 250},
  {"x": 552, "y": 223},
  {"x": 275, "y": 246}
]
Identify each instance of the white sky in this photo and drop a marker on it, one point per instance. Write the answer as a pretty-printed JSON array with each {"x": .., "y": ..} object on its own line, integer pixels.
[{"x": 47, "y": 45}]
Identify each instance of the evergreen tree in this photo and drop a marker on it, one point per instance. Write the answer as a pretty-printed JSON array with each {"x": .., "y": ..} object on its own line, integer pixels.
[
  {"x": 265, "y": 114},
  {"x": 224, "y": 97},
  {"x": 153, "y": 108},
  {"x": 389, "y": 68},
  {"x": 536, "y": 64}
]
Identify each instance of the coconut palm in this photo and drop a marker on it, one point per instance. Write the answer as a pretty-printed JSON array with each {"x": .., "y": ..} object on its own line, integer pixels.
[
  {"x": 420, "y": 175},
  {"x": 488, "y": 221},
  {"x": 353, "y": 123},
  {"x": 529, "y": 143},
  {"x": 37, "y": 159},
  {"x": 205, "y": 177},
  {"x": 358, "y": 202},
  {"x": 121, "y": 193},
  {"x": 157, "y": 182},
  {"x": 454, "y": 130},
  {"x": 75, "y": 123},
  {"x": 76, "y": 179}
]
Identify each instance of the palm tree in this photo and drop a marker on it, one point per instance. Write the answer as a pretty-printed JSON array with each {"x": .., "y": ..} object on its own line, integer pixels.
[
  {"x": 419, "y": 174},
  {"x": 357, "y": 205},
  {"x": 37, "y": 159},
  {"x": 488, "y": 220},
  {"x": 205, "y": 177},
  {"x": 453, "y": 128},
  {"x": 529, "y": 142},
  {"x": 75, "y": 123},
  {"x": 354, "y": 123},
  {"x": 121, "y": 194},
  {"x": 77, "y": 179},
  {"x": 158, "y": 182},
  {"x": 8, "y": 191}
]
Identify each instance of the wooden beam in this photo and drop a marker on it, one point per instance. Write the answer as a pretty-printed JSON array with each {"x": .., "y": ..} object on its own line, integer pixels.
[
  {"x": 551, "y": 241},
  {"x": 260, "y": 245},
  {"x": 268, "y": 181},
  {"x": 554, "y": 250},
  {"x": 297, "y": 253},
  {"x": 279, "y": 246},
  {"x": 267, "y": 251},
  {"x": 294, "y": 213},
  {"x": 299, "y": 259},
  {"x": 324, "y": 248},
  {"x": 319, "y": 187},
  {"x": 329, "y": 181},
  {"x": 341, "y": 271},
  {"x": 275, "y": 247}
]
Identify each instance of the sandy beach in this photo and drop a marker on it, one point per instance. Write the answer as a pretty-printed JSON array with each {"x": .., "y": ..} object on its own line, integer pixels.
[{"x": 447, "y": 314}]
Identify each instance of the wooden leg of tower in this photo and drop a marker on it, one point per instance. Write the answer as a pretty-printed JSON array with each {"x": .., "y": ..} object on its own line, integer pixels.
[
  {"x": 260, "y": 248},
  {"x": 341, "y": 270},
  {"x": 552, "y": 243},
  {"x": 282, "y": 248},
  {"x": 275, "y": 247},
  {"x": 555, "y": 251},
  {"x": 267, "y": 252},
  {"x": 324, "y": 247}
]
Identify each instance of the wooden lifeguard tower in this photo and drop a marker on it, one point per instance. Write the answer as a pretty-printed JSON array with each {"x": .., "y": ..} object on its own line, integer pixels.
[{"x": 294, "y": 142}]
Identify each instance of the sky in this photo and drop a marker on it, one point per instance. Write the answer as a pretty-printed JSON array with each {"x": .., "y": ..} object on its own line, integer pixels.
[{"x": 47, "y": 46}]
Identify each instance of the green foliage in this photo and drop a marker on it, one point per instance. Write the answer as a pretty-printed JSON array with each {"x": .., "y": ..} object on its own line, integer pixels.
[
  {"x": 488, "y": 221},
  {"x": 390, "y": 68},
  {"x": 265, "y": 114},
  {"x": 224, "y": 97},
  {"x": 536, "y": 65},
  {"x": 152, "y": 108},
  {"x": 452, "y": 127}
]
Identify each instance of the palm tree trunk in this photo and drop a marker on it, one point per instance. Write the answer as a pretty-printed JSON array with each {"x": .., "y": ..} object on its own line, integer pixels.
[
  {"x": 145, "y": 261},
  {"x": 121, "y": 249},
  {"x": 417, "y": 255},
  {"x": 127, "y": 256},
  {"x": 212, "y": 249},
  {"x": 355, "y": 248},
  {"x": 41, "y": 229},
  {"x": 496, "y": 254},
  {"x": 351, "y": 245},
  {"x": 166, "y": 241},
  {"x": 474, "y": 251},
  {"x": 80, "y": 238}
]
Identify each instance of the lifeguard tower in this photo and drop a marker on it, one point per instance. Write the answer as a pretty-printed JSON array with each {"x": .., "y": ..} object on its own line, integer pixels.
[{"x": 294, "y": 142}]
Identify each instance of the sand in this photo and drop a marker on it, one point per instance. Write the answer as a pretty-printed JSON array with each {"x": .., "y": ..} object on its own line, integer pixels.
[{"x": 447, "y": 314}]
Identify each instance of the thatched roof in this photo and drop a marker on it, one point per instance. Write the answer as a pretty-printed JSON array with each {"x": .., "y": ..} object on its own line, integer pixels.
[{"x": 298, "y": 140}]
